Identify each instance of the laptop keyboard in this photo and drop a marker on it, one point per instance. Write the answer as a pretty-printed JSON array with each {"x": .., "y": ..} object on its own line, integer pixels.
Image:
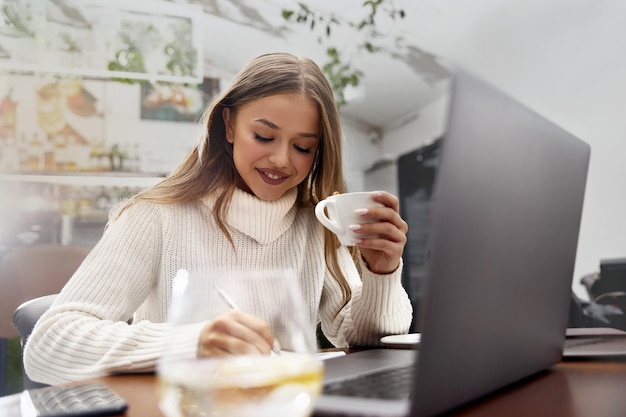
[{"x": 387, "y": 384}]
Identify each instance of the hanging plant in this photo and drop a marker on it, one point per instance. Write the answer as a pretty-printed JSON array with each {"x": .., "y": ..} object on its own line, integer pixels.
[
  {"x": 338, "y": 69},
  {"x": 17, "y": 18}
]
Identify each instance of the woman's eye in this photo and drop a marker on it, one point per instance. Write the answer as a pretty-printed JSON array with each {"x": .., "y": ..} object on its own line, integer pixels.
[
  {"x": 302, "y": 150},
  {"x": 261, "y": 138}
]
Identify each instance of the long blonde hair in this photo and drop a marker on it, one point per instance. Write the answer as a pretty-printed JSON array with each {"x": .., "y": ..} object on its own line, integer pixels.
[{"x": 209, "y": 167}]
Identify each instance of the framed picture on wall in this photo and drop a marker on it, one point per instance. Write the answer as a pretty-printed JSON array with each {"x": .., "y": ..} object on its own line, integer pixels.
[
  {"x": 176, "y": 102},
  {"x": 50, "y": 124},
  {"x": 157, "y": 40}
]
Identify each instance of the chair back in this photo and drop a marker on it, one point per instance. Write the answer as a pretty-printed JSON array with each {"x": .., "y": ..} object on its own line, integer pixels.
[
  {"x": 27, "y": 314},
  {"x": 33, "y": 271},
  {"x": 24, "y": 319}
]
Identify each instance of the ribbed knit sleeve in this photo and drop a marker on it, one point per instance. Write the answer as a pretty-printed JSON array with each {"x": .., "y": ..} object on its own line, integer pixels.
[
  {"x": 379, "y": 306},
  {"x": 86, "y": 332}
]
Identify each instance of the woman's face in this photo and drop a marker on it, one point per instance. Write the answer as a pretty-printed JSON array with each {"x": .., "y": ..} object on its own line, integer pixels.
[{"x": 275, "y": 140}]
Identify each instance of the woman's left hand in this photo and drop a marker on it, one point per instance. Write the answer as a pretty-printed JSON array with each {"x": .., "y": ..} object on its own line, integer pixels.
[{"x": 383, "y": 253}]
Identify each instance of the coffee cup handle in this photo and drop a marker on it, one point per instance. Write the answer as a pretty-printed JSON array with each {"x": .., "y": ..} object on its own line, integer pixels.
[{"x": 332, "y": 224}]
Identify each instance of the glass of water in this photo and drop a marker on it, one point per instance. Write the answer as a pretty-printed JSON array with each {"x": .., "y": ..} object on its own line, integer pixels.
[{"x": 283, "y": 383}]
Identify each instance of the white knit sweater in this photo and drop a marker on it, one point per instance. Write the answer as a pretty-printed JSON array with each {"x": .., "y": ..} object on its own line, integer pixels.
[{"x": 129, "y": 273}]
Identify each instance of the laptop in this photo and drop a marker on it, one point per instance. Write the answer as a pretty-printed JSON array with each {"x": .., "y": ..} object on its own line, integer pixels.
[{"x": 503, "y": 236}]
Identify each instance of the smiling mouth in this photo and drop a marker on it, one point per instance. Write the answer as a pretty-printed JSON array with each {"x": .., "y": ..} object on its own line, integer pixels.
[{"x": 272, "y": 177}]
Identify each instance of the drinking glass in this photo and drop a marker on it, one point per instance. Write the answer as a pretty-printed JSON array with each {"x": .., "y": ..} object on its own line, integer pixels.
[{"x": 284, "y": 383}]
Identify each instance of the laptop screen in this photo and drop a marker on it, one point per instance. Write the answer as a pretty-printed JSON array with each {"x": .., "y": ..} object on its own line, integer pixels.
[{"x": 504, "y": 230}]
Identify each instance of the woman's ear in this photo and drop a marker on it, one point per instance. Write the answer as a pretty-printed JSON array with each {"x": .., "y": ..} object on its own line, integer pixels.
[{"x": 228, "y": 125}]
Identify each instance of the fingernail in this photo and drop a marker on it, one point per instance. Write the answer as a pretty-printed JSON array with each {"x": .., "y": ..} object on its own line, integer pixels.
[
  {"x": 361, "y": 211},
  {"x": 377, "y": 193},
  {"x": 354, "y": 226},
  {"x": 276, "y": 349}
]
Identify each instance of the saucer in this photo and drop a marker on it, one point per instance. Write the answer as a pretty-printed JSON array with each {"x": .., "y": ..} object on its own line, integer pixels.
[{"x": 405, "y": 341}]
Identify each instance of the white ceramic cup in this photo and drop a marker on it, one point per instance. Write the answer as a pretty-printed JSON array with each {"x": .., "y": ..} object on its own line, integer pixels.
[{"x": 338, "y": 211}]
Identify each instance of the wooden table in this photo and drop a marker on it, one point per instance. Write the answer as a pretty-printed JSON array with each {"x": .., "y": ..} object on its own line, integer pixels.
[
  {"x": 570, "y": 389},
  {"x": 580, "y": 389}
]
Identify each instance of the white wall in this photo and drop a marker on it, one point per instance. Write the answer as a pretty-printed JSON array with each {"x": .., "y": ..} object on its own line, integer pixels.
[
  {"x": 421, "y": 129},
  {"x": 360, "y": 147},
  {"x": 366, "y": 150}
]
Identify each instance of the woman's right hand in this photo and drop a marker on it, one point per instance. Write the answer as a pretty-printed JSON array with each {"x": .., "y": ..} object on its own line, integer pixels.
[{"x": 235, "y": 333}]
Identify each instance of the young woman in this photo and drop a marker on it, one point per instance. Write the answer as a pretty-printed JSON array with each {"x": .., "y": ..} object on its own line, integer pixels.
[{"x": 243, "y": 199}]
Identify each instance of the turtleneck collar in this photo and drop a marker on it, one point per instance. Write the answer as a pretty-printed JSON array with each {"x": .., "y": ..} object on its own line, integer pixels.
[{"x": 264, "y": 221}]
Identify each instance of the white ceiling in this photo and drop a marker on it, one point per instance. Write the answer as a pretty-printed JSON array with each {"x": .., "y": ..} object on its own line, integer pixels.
[
  {"x": 392, "y": 87},
  {"x": 547, "y": 53}
]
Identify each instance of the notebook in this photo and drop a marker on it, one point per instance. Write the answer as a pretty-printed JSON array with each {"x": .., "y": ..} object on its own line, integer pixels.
[
  {"x": 594, "y": 342},
  {"x": 605, "y": 342},
  {"x": 503, "y": 235}
]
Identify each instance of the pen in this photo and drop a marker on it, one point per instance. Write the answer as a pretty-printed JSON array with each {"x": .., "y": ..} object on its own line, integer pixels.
[{"x": 231, "y": 303}]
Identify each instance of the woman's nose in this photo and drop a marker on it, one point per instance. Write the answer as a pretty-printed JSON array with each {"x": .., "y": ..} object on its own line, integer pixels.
[{"x": 280, "y": 156}]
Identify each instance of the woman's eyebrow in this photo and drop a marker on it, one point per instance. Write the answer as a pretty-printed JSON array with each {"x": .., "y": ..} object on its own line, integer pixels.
[
  {"x": 273, "y": 125},
  {"x": 267, "y": 123}
]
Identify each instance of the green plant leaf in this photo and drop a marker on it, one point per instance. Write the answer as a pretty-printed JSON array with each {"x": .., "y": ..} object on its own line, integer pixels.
[{"x": 341, "y": 74}]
